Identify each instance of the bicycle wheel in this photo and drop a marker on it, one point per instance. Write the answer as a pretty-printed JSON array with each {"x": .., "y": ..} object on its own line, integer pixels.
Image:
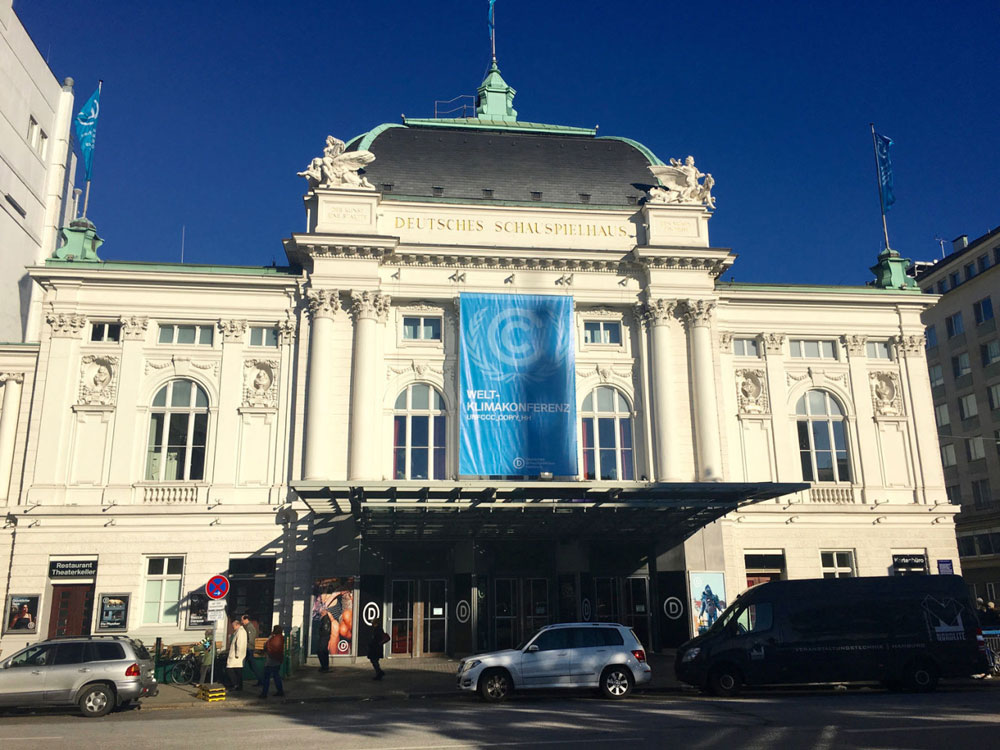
[{"x": 182, "y": 673}]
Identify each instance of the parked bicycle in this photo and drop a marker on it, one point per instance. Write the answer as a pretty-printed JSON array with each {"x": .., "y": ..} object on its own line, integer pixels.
[{"x": 183, "y": 669}]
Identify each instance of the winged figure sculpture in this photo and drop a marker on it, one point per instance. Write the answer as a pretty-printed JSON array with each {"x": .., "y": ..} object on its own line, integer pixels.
[
  {"x": 337, "y": 167},
  {"x": 680, "y": 183}
]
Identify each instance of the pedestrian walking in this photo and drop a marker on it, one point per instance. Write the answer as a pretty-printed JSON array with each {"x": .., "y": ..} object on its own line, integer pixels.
[
  {"x": 323, "y": 646},
  {"x": 274, "y": 655},
  {"x": 237, "y": 655},
  {"x": 251, "y": 627},
  {"x": 206, "y": 656},
  {"x": 376, "y": 649}
]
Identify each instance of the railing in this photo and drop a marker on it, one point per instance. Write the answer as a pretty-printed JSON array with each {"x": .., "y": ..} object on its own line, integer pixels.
[
  {"x": 163, "y": 494},
  {"x": 832, "y": 495}
]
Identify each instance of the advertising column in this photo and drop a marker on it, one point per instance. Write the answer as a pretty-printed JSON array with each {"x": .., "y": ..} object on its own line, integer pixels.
[{"x": 518, "y": 386}]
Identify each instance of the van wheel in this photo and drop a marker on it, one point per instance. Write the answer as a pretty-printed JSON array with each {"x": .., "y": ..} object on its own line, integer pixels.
[
  {"x": 725, "y": 681},
  {"x": 921, "y": 677},
  {"x": 616, "y": 682},
  {"x": 96, "y": 700},
  {"x": 495, "y": 686}
]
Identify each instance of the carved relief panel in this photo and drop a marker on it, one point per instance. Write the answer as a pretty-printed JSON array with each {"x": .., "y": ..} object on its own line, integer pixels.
[
  {"x": 260, "y": 383},
  {"x": 98, "y": 380},
  {"x": 751, "y": 391},
  {"x": 887, "y": 397}
]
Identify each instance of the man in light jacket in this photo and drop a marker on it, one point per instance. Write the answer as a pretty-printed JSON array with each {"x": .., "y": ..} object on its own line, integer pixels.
[{"x": 237, "y": 653}]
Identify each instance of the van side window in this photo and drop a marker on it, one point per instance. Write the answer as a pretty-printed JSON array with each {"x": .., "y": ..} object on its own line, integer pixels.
[{"x": 755, "y": 618}]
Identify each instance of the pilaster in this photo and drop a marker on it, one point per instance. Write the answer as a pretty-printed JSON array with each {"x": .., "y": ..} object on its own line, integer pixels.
[
  {"x": 129, "y": 440},
  {"x": 777, "y": 389},
  {"x": 227, "y": 426},
  {"x": 917, "y": 391},
  {"x": 869, "y": 460}
]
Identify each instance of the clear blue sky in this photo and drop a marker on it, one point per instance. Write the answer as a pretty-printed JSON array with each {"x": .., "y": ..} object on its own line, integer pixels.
[{"x": 209, "y": 109}]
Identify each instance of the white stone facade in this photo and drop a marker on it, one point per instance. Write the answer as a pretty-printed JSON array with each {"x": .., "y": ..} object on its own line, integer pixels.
[{"x": 318, "y": 404}]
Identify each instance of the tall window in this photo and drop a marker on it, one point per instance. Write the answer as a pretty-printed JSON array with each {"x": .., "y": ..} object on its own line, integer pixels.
[
  {"x": 983, "y": 310},
  {"x": 930, "y": 334},
  {"x": 163, "y": 590},
  {"x": 606, "y": 428},
  {"x": 954, "y": 324},
  {"x": 822, "y": 438},
  {"x": 419, "y": 441},
  {"x": 178, "y": 432}
]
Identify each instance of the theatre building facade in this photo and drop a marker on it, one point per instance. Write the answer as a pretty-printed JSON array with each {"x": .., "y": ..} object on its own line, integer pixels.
[{"x": 498, "y": 385}]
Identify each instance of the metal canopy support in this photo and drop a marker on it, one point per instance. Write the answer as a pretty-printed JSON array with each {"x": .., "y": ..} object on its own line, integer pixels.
[{"x": 440, "y": 511}]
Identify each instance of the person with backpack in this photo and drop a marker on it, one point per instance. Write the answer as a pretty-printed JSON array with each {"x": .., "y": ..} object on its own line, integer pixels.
[
  {"x": 274, "y": 655},
  {"x": 376, "y": 649}
]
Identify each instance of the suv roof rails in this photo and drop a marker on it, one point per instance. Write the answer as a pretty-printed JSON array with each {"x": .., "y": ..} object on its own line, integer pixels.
[{"x": 112, "y": 636}]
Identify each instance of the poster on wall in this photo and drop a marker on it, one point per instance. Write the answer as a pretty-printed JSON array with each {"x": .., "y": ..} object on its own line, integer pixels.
[
  {"x": 21, "y": 614},
  {"x": 332, "y": 616},
  {"x": 518, "y": 385},
  {"x": 707, "y": 598},
  {"x": 198, "y": 611},
  {"x": 112, "y": 613}
]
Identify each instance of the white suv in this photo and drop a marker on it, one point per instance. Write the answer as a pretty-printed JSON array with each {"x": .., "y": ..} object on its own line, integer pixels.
[{"x": 573, "y": 655}]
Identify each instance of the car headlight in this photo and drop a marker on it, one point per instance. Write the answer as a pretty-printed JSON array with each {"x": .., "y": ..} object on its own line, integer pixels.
[
  {"x": 690, "y": 655},
  {"x": 469, "y": 665}
]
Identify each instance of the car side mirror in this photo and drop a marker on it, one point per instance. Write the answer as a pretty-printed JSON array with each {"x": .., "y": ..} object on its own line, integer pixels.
[{"x": 532, "y": 648}]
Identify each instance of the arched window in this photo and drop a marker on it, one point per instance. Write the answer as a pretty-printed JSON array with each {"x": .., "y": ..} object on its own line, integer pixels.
[
  {"x": 822, "y": 438},
  {"x": 418, "y": 433},
  {"x": 178, "y": 432},
  {"x": 606, "y": 429}
]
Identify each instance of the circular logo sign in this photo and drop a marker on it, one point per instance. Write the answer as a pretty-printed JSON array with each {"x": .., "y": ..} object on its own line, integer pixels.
[
  {"x": 463, "y": 611},
  {"x": 217, "y": 587},
  {"x": 586, "y": 610},
  {"x": 343, "y": 646},
  {"x": 673, "y": 608},
  {"x": 370, "y": 613}
]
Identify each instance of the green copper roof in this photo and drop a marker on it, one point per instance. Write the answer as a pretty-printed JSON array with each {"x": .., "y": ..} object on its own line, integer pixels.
[
  {"x": 824, "y": 288},
  {"x": 479, "y": 123},
  {"x": 644, "y": 150},
  {"x": 114, "y": 265},
  {"x": 495, "y": 99}
]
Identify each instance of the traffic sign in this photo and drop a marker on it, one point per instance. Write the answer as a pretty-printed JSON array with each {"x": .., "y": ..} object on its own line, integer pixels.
[{"x": 217, "y": 587}]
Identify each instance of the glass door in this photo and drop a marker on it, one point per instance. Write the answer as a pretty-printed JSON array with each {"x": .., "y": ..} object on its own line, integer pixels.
[
  {"x": 506, "y": 609},
  {"x": 606, "y": 594},
  {"x": 401, "y": 624},
  {"x": 536, "y": 604},
  {"x": 435, "y": 616},
  {"x": 637, "y": 607}
]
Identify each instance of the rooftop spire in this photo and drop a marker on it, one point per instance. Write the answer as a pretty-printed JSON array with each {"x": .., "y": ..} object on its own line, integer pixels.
[{"x": 494, "y": 98}]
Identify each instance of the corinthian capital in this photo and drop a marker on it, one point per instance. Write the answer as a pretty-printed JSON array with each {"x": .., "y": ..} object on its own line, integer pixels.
[
  {"x": 134, "y": 328},
  {"x": 65, "y": 325},
  {"x": 698, "y": 312},
  {"x": 854, "y": 344},
  {"x": 370, "y": 306},
  {"x": 659, "y": 312},
  {"x": 322, "y": 303},
  {"x": 288, "y": 327},
  {"x": 911, "y": 346},
  {"x": 773, "y": 342},
  {"x": 232, "y": 331}
]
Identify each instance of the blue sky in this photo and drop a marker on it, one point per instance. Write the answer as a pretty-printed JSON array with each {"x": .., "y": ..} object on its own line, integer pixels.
[{"x": 209, "y": 109}]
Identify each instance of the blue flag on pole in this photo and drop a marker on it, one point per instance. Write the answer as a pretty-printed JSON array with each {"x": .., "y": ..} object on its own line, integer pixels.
[
  {"x": 491, "y": 18},
  {"x": 882, "y": 143},
  {"x": 86, "y": 129}
]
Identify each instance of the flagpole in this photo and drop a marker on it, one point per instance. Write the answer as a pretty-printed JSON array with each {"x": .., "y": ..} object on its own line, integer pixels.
[
  {"x": 86, "y": 195},
  {"x": 493, "y": 33},
  {"x": 878, "y": 179}
]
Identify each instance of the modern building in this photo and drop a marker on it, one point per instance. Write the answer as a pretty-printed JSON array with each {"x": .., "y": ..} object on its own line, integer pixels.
[
  {"x": 963, "y": 354},
  {"x": 36, "y": 172},
  {"x": 498, "y": 384}
]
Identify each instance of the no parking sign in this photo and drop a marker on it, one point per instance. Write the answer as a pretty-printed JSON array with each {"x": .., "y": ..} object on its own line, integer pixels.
[{"x": 217, "y": 587}]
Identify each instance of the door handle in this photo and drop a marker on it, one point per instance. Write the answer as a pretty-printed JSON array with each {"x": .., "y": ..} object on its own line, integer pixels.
[
  {"x": 36, "y": 671},
  {"x": 85, "y": 669}
]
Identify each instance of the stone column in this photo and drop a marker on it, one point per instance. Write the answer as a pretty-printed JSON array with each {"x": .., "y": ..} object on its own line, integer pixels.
[
  {"x": 227, "y": 426},
  {"x": 321, "y": 429},
  {"x": 918, "y": 398},
  {"x": 131, "y": 437},
  {"x": 660, "y": 315},
  {"x": 368, "y": 309},
  {"x": 8, "y": 426},
  {"x": 698, "y": 316}
]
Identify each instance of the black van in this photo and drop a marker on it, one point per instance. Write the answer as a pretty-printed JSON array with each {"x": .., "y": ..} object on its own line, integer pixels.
[{"x": 902, "y": 631}]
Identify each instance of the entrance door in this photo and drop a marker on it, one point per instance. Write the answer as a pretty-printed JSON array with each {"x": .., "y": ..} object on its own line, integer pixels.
[
  {"x": 72, "y": 607},
  {"x": 401, "y": 622},
  {"x": 506, "y": 609},
  {"x": 536, "y": 604},
  {"x": 435, "y": 619},
  {"x": 636, "y": 614},
  {"x": 606, "y": 596}
]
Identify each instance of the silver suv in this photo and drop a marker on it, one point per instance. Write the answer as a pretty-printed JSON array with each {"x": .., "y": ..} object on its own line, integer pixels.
[
  {"x": 572, "y": 655},
  {"x": 96, "y": 673}
]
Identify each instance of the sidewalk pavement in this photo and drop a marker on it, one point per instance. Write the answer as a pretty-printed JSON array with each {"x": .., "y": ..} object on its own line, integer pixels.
[{"x": 404, "y": 678}]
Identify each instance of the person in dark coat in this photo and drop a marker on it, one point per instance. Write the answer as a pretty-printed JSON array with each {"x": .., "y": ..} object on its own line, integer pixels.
[
  {"x": 376, "y": 649},
  {"x": 323, "y": 642}
]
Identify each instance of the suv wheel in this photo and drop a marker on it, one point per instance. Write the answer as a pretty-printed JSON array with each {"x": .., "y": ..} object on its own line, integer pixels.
[
  {"x": 725, "y": 681},
  {"x": 616, "y": 682},
  {"x": 495, "y": 685},
  {"x": 921, "y": 676},
  {"x": 96, "y": 700}
]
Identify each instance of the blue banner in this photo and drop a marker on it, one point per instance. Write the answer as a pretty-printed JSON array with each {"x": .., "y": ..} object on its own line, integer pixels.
[
  {"x": 882, "y": 143},
  {"x": 518, "y": 387},
  {"x": 86, "y": 129}
]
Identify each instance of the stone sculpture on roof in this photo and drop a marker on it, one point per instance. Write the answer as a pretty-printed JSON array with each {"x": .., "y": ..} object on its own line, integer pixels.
[
  {"x": 337, "y": 168},
  {"x": 680, "y": 184}
]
